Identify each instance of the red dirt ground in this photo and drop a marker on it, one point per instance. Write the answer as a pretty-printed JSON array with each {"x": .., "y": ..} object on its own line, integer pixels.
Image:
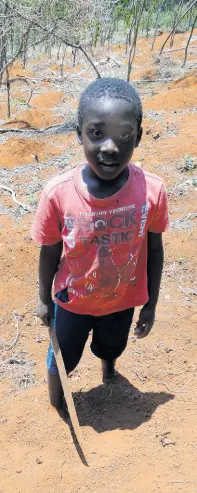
[
  {"x": 140, "y": 433},
  {"x": 48, "y": 100},
  {"x": 35, "y": 118},
  {"x": 18, "y": 151}
]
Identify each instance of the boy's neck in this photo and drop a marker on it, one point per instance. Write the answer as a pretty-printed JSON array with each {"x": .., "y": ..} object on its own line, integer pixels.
[{"x": 102, "y": 189}]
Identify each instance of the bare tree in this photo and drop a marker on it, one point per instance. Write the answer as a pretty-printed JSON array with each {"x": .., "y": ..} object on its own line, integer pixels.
[
  {"x": 67, "y": 27},
  {"x": 138, "y": 8},
  {"x": 177, "y": 14},
  {"x": 189, "y": 6},
  {"x": 189, "y": 39},
  {"x": 159, "y": 10}
]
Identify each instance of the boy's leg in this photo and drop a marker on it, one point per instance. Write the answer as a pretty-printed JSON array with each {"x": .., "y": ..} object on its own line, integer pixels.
[
  {"x": 110, "y": 336},
  {"x": 72, "y": 332},
  {"x": 55, "y": 390},
  {"x": 108, "y": 368}
]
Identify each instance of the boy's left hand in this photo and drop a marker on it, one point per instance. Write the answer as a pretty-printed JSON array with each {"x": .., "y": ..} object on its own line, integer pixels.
[{"x": 145, "y": 322}]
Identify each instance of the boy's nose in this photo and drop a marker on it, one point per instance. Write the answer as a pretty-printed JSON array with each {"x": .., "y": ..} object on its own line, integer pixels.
[{"x": 109, "y": 146}]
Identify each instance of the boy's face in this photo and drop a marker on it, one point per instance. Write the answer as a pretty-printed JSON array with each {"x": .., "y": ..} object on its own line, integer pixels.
[{"x": 109, "y": 135}]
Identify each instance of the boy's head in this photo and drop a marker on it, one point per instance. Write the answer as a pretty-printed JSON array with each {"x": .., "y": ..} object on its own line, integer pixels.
[{"x": 109, "y": 125}]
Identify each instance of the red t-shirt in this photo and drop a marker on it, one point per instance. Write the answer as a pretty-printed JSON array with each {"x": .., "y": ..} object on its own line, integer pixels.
[{"x": 104, "y": 264}]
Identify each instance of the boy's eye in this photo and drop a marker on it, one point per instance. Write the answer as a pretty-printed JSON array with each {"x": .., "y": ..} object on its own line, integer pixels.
[
  {"x": 96, "y": 133},
  {"x": 125, "y": 135}
]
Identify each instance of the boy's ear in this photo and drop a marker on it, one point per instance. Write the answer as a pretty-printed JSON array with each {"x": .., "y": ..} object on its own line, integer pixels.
[
  {"x": 79, "y": 135},
  {"x": 139, "y": 136}
]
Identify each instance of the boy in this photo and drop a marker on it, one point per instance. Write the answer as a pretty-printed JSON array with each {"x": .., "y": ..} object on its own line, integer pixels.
[{"x": 107, "y": 217}]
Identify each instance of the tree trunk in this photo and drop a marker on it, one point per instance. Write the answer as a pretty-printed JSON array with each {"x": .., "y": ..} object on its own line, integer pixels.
[
  {"x": 148, "y": 19},
  {"x": 178, "y": 12},
  {"x": 62, "y": 64},
  {"x": 25, "y": 49},
  {"x": 3, "y": 45},
  {"x": 138, "y": 16},
  {"x": 156, "y": 24},
  {"x": 131, "y": 57},
  {"x": 8, "y": 92},
  {"x": 190, "y": 20},
  {"x": 58, "y": 51},
  {"x": 74, "y": 53},
  {"x": 188, "y": 41}
]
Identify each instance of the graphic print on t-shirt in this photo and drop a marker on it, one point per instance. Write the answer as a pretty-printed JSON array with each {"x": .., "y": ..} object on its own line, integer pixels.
[{"x": 113, "y": 237}]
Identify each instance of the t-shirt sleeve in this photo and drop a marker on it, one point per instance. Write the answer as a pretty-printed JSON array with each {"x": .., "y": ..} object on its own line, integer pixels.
[
  {"x": 46, "y": 229},
  {"x": 160, "y": 222}
]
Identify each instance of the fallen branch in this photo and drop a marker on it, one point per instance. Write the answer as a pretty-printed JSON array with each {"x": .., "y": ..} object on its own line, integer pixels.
[
  {"x": 114, "y": 60},
  {"x": 155, "y": 80},
  {"x": 179, "y": 49},
  {"x": 18, "y": 78},
  {"x": 107, "y": 59},
  {"x": 15, "y": 340},
  {"x": 34, "y": 79},
  {"x": 13, "y": 343},
  {"x": 10, "y": 190},
  {"x": 26, "y": 130},
  {"x": 47, "y": 79}
]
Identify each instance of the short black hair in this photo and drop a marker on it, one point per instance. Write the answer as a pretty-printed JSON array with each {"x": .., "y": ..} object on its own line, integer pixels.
[{"x": 110, "y": 87}]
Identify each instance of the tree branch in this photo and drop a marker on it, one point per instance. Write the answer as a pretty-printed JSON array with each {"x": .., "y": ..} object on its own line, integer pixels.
[
  {"x": 58, "y": 36},
  {"x": 176, "y": 24}
]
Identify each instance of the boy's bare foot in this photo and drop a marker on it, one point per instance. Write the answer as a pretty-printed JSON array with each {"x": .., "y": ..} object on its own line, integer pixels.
[{"x": 108, "y": 368}]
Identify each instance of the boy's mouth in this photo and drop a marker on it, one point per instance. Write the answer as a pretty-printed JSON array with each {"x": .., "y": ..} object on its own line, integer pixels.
[{"x": 109, "y": 164}]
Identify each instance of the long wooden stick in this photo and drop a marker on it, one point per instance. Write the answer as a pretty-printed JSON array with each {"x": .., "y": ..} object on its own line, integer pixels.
[{"x": 66, "y": 388}]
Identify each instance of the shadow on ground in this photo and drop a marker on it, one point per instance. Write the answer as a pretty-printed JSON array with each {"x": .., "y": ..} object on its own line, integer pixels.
[{"x": 117, "y": 405}]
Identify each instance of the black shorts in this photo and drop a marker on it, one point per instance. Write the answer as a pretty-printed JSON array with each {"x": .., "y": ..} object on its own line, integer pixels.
[{"x": 109, "y": 336}]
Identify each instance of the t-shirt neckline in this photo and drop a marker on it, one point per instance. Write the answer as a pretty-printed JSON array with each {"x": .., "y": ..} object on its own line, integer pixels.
[{"x": 82, "y": 188}]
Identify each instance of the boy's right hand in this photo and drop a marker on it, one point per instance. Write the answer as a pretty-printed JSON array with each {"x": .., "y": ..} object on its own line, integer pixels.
[{"x": 45, "y": 312}]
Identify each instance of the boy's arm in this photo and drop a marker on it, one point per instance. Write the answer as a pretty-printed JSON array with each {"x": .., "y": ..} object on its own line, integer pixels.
[
  {"x": 48, "y": 266},
  {"x": 154, "y": 272}
]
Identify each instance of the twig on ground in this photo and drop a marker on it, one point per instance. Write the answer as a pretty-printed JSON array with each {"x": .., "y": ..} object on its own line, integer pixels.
[
  {"x": 10, "y": 190},
  {"x": 137, "y": 374},
  {"x": 13, "y": 343},
  {"x": 114, "y": 60},
  {"x": 171, "y": 390},
  {"x": 170, "y": 268},
  {"x": 29, "y": 302},
  {"x": 188, "y": 290}
]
